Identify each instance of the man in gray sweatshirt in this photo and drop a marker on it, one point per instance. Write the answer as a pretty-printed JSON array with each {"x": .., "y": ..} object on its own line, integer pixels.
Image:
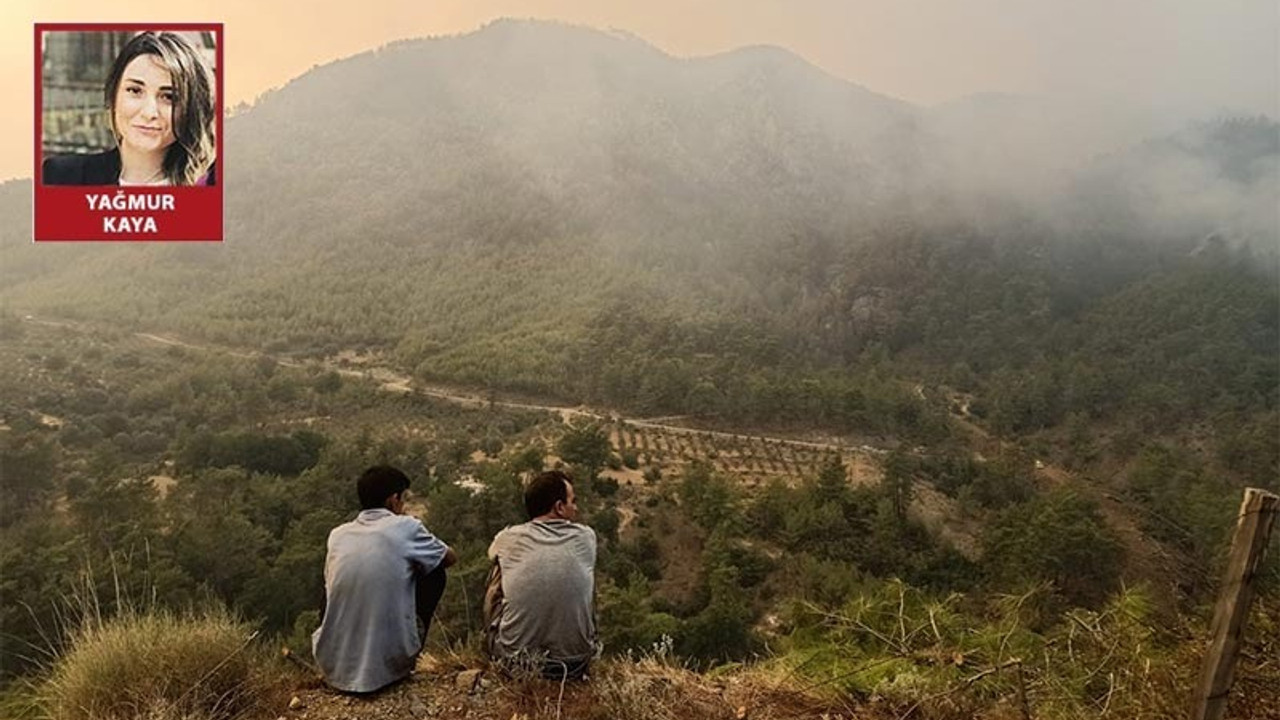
[
  {"x": 383, "y": 575},
  {"x": 540, "y": 603}
]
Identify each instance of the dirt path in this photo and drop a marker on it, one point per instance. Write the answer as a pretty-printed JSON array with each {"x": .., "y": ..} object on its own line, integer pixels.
[{"x": 392, "y": 381}]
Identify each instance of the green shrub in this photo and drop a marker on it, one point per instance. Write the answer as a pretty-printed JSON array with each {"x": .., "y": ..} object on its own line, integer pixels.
[
  {"x": 1060, "y": 538},
  {"x": 630, "y": 459}
]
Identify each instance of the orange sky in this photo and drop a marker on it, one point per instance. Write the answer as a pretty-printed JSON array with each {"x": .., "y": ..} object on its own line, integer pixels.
[{"x": 1221, "y": 53}]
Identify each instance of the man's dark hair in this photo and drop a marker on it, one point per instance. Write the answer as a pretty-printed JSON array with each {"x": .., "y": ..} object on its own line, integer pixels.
[
  {"x": 379, "y": 483},
  {"x": 545, "y": 490}
]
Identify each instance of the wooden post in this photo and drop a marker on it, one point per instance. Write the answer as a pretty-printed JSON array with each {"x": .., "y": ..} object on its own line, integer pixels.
[{"x": 1253, "y": 530}]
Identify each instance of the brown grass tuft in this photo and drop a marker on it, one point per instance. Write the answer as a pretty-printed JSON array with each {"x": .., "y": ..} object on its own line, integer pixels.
[{"x": 161, "y": 665}]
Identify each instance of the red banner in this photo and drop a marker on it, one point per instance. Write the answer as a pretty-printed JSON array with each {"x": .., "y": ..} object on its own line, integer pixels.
[{"x": 107, "y": 213}]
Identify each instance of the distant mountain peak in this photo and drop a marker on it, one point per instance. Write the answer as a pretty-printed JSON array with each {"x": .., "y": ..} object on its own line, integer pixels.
[
  {"x": 541, "y": 31},
  {"x": 767, "y": 53}
]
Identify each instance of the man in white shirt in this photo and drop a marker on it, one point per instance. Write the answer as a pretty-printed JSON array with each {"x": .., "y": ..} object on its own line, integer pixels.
[
  {"x": 383, "y": 571},
  {"x": 540, "y": 604}
]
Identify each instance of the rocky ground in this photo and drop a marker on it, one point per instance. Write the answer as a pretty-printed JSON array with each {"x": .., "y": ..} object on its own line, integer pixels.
[{"x": 455, "y": 688}]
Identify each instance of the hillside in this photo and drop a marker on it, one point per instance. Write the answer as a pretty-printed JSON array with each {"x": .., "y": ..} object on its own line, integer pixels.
[
  {"x": 150, "y": 456},
  {"x": 848, "y": 399},
  {"x": 486, "y": 206}
]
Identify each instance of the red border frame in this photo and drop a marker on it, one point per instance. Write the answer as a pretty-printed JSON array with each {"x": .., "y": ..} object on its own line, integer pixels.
[{"x": 37, "y": 184}]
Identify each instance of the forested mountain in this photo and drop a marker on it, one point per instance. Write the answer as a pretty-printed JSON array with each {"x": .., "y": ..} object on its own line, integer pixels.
[{"x": 555, "y": 209}]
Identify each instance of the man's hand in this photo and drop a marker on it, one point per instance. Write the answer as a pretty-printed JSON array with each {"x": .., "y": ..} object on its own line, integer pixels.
[{"x": 450, "y": 558}]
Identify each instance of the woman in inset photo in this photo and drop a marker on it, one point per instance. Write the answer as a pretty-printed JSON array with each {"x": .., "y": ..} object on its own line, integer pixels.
[{"x": 162, "y": 110}]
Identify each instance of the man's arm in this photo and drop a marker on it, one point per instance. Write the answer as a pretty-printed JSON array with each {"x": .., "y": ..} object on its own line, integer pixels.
[
  {"x": 595, "y": 594},
  {"x": 428, "y": 551}
]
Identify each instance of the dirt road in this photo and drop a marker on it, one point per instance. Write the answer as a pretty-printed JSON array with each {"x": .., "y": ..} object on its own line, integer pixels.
[{"x": 391, "y": 380}]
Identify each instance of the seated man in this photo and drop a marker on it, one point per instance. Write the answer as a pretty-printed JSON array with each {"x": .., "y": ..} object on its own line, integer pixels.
[
  {"x": 540, "y": 604},
  {"x": 383, "y": 568}
]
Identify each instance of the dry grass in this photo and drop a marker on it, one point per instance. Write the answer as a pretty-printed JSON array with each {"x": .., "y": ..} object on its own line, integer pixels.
[
  {"x": 619, "y": 689},
  {"x": 160, "y": 665},
  {"x": 653, "y": 688}
]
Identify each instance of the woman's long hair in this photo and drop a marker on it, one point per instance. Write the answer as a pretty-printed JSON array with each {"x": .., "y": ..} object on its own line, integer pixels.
[{"x": 192, "y": 154}]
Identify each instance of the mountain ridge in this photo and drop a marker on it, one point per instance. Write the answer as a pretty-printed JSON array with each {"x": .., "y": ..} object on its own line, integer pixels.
[{"x": 455, "y": 204}]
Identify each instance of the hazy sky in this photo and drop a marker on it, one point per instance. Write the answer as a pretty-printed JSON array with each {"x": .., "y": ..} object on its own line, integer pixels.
[{"x": 1219, "y": 55}]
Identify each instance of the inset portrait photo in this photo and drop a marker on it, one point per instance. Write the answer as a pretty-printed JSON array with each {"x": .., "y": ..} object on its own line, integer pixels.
[{"x": 128, "y": 131}]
